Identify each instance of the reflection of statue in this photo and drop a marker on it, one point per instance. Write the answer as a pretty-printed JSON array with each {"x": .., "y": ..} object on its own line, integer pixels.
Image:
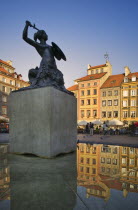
[{"x": 47, "y": 74}]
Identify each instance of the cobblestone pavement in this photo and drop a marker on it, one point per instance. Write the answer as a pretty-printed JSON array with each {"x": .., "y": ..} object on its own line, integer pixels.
[{"x": 109, "y": 139}]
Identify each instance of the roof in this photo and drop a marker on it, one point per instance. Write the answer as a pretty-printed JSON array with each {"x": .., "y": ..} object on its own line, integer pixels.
[
  {"x": 113, "y": 81},
  {"x": 91, "y": 77},
  {"x": 133, "y": 74},
  {"x": 99, "y": 66},
  {"x": 5, "y": 71},
  {"x": 72, "y": 88},
  {"x": 4, "y": 62}
]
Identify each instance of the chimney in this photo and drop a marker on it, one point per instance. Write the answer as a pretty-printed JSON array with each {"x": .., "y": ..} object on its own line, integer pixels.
[
  {"x": 127, "y": 71},
  {"x": 9, "y": 62},
  {"x": 89, "y": 66}
]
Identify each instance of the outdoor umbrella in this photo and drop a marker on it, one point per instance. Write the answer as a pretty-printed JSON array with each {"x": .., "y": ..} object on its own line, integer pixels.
[
  {"x": 115, "y": 122},
  {"x": 82, "y": 122},
  {"x": 3, "y": 119},
  {"x": 97, "y": 122}
]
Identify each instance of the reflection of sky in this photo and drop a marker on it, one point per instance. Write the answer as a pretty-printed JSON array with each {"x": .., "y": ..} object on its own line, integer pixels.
[
  {"x": 84, "y": 29},
  {"x": 115, "y": 202}
]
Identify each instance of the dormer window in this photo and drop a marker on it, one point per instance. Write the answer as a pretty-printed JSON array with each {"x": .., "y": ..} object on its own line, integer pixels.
[
  {"x": 101, "y": 70},
  {"x": 92, "y": 72},
  {"x": 97, "y": 71},
  {"x": 133, "y": 78},
  {"x": 125, "y": 79}
]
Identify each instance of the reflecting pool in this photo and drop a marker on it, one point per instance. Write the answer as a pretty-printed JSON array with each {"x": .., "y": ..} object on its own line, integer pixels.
[{"x": 103, "y": 177}]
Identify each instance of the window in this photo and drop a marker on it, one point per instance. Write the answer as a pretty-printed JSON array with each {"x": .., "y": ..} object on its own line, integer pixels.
[
  {"x": 125, "y": 115},
  {"x": 97, "y": 71},
  {"x": 124, "y": 150},
  {"x": 3, "y": 79},
  {"x": 133, "y": 114},
  {"x": 132, "y": 150},
  {"x": 109, "y": 114},
  {"x": 102, "y": 160},
  {"x": 109, "y": 102},
  {"x": 131, "y": 161},
  {"x": 125, "y": 103},
  {"x": 133, "y": 78},
  {"x": 101, "y": 70},
  {"x": 123, "y": 160},
  {"x": 3, "y": 88},
  {"x": 116, "y": 102},
  {"x": 82, "y": 102},
  {"x": 88, "y": 92},
  {"x": 115, "y": 92},
  {"x": 94, "y": 150},
  {"x": 88, "y": 101},
  {"x": 82, "y": 160},
  {"x": 11, "y": 82},
  {"x": 95, "y": 91},
  {"x": 133, "y": 102},
  {"x": 125, "y": 79},
  {"x": 88, "y": 160},
  {"x": 88, "y": 149},
  {"x": 115, "y": 150},
  {"x": 109, "y": 93},
  {"x": 94, "y": 101},
  {"x": 82, "y": 113},
  {"x": 92, "y": 71},
  {"x": 103, "y": 114},
  {"x": 4, "y": 98},
  {"x": 95, "y": 113},
  {"x": 108, "y": 160},
  {"x": 102, "y": 169},
  {"x": 93, "y": 170},
  {"x": 81, "y": 169},
  {"x": 103, "y": 93},
  {"x": 133, "y": 92},
  {"x": 82, "y": 85},
  {"x": 82, "y": 93},
  {"x": 115, "y": 114},
  {"x": 4, "y": 110},
  {"x": 88, "y": 84},
  {"x": 114, "y": 161},
  {"x": 104, "y": 103},
  {"x": 88, "y": 113},
  {"x": 108, "y": 170},
  {"x": 94, "y": 161},
  {"x": 125, "y": 93},
  {"x": 95, "y": 83}
]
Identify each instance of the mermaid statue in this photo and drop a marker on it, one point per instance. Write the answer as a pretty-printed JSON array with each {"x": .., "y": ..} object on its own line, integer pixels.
[{"x": 47, "y": 74}]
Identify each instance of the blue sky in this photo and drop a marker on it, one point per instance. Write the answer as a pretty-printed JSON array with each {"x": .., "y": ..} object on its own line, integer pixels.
[{"x": 84, "y": 29}]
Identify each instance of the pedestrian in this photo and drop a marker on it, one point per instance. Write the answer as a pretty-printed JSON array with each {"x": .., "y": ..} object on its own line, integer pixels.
[
  {"x": 87, "y": 128},
  {"x": 91, "y": 128}
]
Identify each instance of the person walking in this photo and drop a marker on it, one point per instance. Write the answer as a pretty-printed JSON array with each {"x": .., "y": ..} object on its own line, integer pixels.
[{"x": 91, "y": 129}]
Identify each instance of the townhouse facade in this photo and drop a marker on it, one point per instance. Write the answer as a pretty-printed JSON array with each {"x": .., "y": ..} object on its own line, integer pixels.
[
  {"x": 87, "y": 91},
  {"x": 9, "y": 81}
]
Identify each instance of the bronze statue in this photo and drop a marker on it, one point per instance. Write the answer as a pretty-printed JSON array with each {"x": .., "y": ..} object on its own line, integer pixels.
[{"x": 47, "y": 74}]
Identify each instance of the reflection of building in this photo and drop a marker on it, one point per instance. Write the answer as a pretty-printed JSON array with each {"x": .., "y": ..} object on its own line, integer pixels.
[
  {"x": 129, "y": 97},
  {"x": 129, "y": 169},
  {"x": 4, "y": 175},
  {"x": 87, "y": 90},
  {"x": 104, "y": 167},
  {"x": 109, "y": 160},
  {"x": 9, "y": 81},
  {"x": 110, "y": 97}
]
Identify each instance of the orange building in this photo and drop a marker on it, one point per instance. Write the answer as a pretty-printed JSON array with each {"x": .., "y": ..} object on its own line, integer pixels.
[{"x": 87, "y": 91}]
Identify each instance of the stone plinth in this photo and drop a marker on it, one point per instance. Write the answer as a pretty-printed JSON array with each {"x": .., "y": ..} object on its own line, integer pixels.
[{"x": 43, "y": 122}]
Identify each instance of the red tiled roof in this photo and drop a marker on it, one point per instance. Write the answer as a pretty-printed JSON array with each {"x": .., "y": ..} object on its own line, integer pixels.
[
  {"x": 91, "y": 77},
  {"x": 5, "y": 71},
  {"x": 4, "y": 62},
  {"x": 113, "y": 81},
  {"x": 133, "y": 74},
  {"x": 72, "y": 88},
  {"x": 99, "y": 66}
]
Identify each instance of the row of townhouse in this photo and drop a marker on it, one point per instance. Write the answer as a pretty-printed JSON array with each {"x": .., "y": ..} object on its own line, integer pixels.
[
  {"x": 101, "y": 95},
  {"x": 9, "y": 81}
]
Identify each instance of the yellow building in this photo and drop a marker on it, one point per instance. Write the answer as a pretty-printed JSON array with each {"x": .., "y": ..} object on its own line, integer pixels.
[
  {"x": 129, "y": 97},
  {"x": 87, "y": 91},
  {"x": 111, "y": 97},
  {"x": 9, "y": 81}
]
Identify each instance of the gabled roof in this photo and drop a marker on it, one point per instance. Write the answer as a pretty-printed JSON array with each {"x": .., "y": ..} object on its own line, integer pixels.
[
  {"x": 99, "y": 66},
  {"x": 4, "y": 62},
  {"x": 113, "y": 81},
  {"x": 5, "y": 71},
  {"x": 133, "y": 74},
  {"x": 91, "y": 77},
  {"x": 73, "y": 88}
]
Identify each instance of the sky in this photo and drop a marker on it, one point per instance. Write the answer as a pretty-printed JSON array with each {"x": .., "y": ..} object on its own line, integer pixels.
[{"x": 84, "y": 29}]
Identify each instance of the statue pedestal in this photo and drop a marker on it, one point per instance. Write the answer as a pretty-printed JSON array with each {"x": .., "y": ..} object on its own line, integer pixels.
[{"x": 43, "y": 122}]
